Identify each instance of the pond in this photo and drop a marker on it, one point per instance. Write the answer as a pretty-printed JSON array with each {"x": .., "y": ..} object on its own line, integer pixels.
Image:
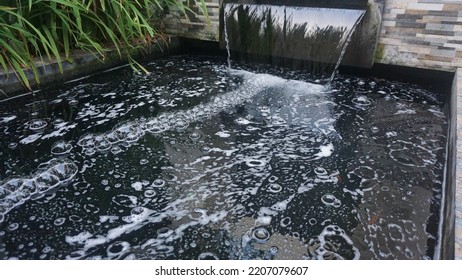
[{"x": 197, "y": 161}]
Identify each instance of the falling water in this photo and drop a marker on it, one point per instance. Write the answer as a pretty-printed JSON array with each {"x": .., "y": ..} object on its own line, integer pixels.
[
  {"x": 313, "y": 39},
  {"x": 345, "y": 45},
  {"x": 227, "y": 11}
]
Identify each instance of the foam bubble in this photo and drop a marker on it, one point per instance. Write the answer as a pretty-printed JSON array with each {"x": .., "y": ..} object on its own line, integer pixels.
[
  {"x": 64, "y": 169},
  {"x": 86, "y": 141},
  {"x": 13, "y": 145},
  {"x": 128, "y": 131},
  {"x": 325, "y": 151},
  {"x": 117, "y": 249},
  {"x": 223, "y": 134},
  {"x": 207, "y": 256},
  {"x": 158, "y": 183},
  {"x": 261, "y": 235},
  {"x": 138, "y": 186},
  {"x": 60, "y": 148},
  {"x": 37, "y": 124},
  {"x": 59, "y": 221},
  {"x": 331, "y": 200},
  {"x": 274, "y": 188}
]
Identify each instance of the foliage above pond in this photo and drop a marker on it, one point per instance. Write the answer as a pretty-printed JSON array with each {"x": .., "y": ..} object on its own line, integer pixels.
[{"x": 33, "y": 31}]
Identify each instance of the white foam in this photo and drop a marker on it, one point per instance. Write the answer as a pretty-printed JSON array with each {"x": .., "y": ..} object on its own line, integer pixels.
[{"x": 325, "y": 151}]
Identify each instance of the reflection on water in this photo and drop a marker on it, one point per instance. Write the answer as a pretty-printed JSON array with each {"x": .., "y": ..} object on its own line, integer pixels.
[
  {"x": 196, "y": 161},
  {"x": 296, "y": 37}
]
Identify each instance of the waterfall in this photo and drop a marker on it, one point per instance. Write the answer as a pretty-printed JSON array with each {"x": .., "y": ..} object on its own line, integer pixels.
[{"x": 309, "y": 38}]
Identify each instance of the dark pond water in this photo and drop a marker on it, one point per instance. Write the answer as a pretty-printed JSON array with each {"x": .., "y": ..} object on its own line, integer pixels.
[{"x": 197, "y": 162}]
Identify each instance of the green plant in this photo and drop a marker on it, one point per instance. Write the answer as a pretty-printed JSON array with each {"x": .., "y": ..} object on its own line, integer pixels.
[{"x": 33, "y": 31}]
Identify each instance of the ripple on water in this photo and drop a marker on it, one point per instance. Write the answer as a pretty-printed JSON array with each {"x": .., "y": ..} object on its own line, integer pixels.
[{"x": 37, "y": 124}]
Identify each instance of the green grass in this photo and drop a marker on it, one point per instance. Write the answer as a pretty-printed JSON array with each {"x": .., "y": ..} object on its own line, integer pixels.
[{"x": 33, "y": 31}]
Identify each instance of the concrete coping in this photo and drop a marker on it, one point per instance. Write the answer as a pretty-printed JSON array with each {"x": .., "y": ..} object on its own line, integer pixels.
[
  {"x": 458, "y": 204},
  {"x": 82, "y": 64}
]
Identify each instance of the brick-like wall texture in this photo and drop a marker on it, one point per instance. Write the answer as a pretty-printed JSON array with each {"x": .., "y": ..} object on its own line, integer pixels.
[
  {"x": 195, "y": 26},
  {"x": 421, "y": 33}
]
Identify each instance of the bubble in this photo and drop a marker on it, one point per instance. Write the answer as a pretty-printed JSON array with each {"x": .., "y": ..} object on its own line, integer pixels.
[
  {"x": 255, "y": 163},
  {"x": 137, "y": 211},
  {"x": 320, "y": 171},
  {"x": 411, "y": 154},
  {"x": 117, "y": 249},
  {"x": 242, "y": 121},
  {"x": 223, "y": 134},
  {"x": 285, "y": 222},
  {"x": 59, "y": 221},
  {"x": 312, "y": 221},
  {"x": 155, "y": 127},
  {"x": 125, "y": 200},
  {"x": 13, "y": 145},
  {"x": 90, "y": 151},
  {"x": 101, "y": 143},
  {"x": 116, "y": 150},
  {"x": 90, "y": 208},
  {"x": 144, "y": 161},
  {"x": 13, "y": 226},
  {"x": 274, "y": 250},
  {"x": 272, "y": 179},
  {"x": 362, "y": 101},
  {"x": 164, "y": 232},
  {"x": 150, "y": 193},
  {"x": 37, "y": 124},
  {"x": 194, "y": 136},
  {"x": 331, "y": 200},
  {"x": 374, "y": 129},
  {"x": 207, "y": 256},
  {"x": 128, "y": 132},
  {"x": 12, "y": 184},
  {"x": 260, "y": 235},
  {"x": 274, "y": 188},
  {"x": 396, "y": 232},
  {"x": 60, "y": 148},
  {"x": 158, "y": 183},
  {"x": 46, "y": 249},
  {"x": 86, "y": 141},
  {"x": 46, "y": 181},
  {"x": 65, "y": 170},
  {"x": 4, "y": 192},
  {"x": 75, "y": 218},
  {"x": 111, "y": 137},
  {"x": 138, "y": 186}
]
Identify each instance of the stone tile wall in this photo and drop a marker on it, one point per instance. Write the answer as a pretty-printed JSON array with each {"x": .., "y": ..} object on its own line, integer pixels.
[
  {"x": 195, "y": 26},
  {"x": 422, "y": 33}
]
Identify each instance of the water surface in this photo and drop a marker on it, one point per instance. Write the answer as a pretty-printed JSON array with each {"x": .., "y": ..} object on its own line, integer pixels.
[{"x": 195, "y": 161}]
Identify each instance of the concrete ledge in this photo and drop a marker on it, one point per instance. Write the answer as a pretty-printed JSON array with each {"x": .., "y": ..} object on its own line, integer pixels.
[
  {"x": 83, "y": 64},
  {"x": 458, "y": 205}
]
